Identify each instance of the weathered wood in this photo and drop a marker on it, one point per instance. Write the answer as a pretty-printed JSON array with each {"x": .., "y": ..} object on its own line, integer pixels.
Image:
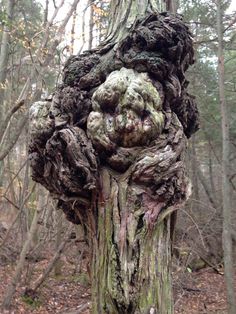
[
  {"x": 110, "y": 146},
  {"x": 124, "y": 14}
]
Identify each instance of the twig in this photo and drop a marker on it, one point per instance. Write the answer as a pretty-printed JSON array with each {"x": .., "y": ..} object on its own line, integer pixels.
[
  {"x": 199, "y": 231},
  {"x": 50, "y": 266}
]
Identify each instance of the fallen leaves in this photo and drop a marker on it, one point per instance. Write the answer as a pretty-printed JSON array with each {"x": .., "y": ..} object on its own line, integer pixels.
[{"x": 195, "y": 293}]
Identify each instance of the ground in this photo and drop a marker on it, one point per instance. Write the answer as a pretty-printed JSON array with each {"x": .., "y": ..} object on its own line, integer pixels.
[
  {"x": 196, "y": 292},
  {"x": 200, "y": 292}
]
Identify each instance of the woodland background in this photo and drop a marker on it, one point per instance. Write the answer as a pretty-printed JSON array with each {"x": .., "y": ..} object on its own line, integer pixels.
[{"x": 43, "y": 254}]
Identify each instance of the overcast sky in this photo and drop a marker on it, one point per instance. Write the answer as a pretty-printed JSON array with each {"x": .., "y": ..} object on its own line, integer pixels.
[{"x": 80, "y": 12}]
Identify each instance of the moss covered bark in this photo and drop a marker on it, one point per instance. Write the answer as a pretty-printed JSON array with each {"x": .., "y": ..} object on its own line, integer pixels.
[{"x": 131, "y": 261}]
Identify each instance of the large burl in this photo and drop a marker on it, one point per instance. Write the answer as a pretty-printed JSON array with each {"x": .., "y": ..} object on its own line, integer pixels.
[
  {"x": 126, "y": 116},
  {"x": 110, "y": 147}
]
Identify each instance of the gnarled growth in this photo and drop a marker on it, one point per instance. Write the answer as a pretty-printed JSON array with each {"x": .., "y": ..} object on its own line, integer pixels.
[{"x": 110, "y": 146}]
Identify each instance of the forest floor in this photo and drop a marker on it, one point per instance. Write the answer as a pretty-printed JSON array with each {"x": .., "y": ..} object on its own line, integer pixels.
[{"x": 196, "y": 292}]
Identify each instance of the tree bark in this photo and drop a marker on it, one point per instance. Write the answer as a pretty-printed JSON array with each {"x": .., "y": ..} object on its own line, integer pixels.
[
  {"x": 4, "y": 56},
  {"x": 131, "y": 262},
  {"x": 20, "y": 209},
  {"x": 45, "y": 17},
  {"x": 72, "y": 33},
  {"x": 207, "y": 188},
  {"x": 59, "y": 229},
  {"x": 91, "y": 25},
  {"x": 123, "y": 15},
  {"x": 171, "y": 6},
  {"x": 44, "y": 61},
  {"x": 110, "y": 147},
  {"x": 227, "y": 211},
  {"x": 10, "y": 291},
  {"x": 194, "y": 177},
  {"x": 40, "y": 280}
]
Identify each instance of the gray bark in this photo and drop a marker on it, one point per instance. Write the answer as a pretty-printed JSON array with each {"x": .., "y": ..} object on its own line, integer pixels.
[
  {"x": 171, "y": 6},
  {"x": 58, "y": 240},
  {"x": 10, "y": 291},
  {"x": 194, "y": 178},
  {"x": 37, "y": 284},
  {"x": 124, "y": 13},
  {"x": 91, "y": 25},
  {"x": 227, "y": 209},
  {"x": 34, "y": 76},
  {"x": 206, "y": 187},
  {"x": 4, "y": 57},
  {"x": 4, "y": 52}
]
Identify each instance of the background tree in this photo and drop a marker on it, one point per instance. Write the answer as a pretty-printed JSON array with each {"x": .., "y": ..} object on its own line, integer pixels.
[
  {"x": 27, "y": 52},
  {"x": 226, "y": 172}
]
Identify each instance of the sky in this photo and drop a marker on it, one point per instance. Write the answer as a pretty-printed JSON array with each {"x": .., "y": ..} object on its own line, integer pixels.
[
  {"x": 81, "y": 15},
  {"x": 232, "y": 6}
]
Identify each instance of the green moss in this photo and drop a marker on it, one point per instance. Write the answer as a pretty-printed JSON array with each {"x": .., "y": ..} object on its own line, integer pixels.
[
  {"x": 82, "y": 279},
  {"x": 59, "y": 277},
  {"x": 32, "y": 302}
]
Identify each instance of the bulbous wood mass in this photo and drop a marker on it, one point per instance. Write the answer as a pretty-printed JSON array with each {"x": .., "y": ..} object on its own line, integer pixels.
[
  {"x": 114, "y": 103},
  {"x": 110, "y": 146}
]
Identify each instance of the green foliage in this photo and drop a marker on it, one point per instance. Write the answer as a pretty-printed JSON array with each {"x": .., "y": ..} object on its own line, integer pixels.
[
  {"x": 3, "y": 16},
  {"x": 203, "y": 77},
  {"x": 27, "y": 23},
  {"x": 230, "y": 87},
  {"x": 26, "y": 37}
]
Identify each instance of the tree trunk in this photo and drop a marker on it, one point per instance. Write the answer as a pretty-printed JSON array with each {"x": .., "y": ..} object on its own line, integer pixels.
[
  {"x": 171, "y": 6},
  {"x": 10, "y": 291},
  {"x": 124, "y": 13},
  {"x": 91, "y": 25},
  {"x": 40, "y": 280},
  {"x": 4, "y": 57},
  {"x": 59, "y": 229},
  {"x": 131, "y": 262},
  {"x": 72, "y": 33},
  {"x": 194, "y": 178},
  {"x": 114, "y": 137},
  {"x": 227, "y": 211},
  {"x": 34, "y": 76},
  {"x": 45, "y": 15}
]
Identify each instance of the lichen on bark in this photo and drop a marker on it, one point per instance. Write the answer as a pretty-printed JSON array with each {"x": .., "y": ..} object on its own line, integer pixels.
[{"x": 110, "y": 146}]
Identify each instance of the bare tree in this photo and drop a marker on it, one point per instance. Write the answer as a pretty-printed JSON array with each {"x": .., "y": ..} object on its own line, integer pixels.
[
  {"x": 4, "y": 57},
  {"x": 91, "y": 25},
  {"x": 40, "y": 61},
  {"x": 4, "y": 51},
  {"x": 227, "y": 210},
  {"x": 171, "y": 6},
  {"x": 21, "y": 262},
  {"x": 40, "y": 280},
  {"x": 72, "y": 41}
]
